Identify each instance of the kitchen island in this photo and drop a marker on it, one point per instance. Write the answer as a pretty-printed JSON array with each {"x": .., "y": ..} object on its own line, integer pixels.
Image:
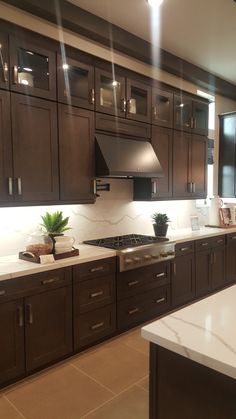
[{"x": 193, "y": 360}]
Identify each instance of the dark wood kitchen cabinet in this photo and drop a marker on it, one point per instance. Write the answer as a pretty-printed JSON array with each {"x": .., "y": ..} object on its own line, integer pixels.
[
  {"x": 12, "y": 360},
  {"x": 122, "y": 96},
  {"x": 183, "y": 274},
  {"x": 190, "y": 115},
  {"x": 76, "y": 154},
  {"x": 146, "y": 189},
  {"x": 32, "y": 68},
  {"x": 6, "y": 169},
  {"x": 94, "y": 301},
  {"x": 35, "y": 149},
  {"x": 4, "y": 61},
  {"x": 189, "y": 165},
  {"x": 162, "y": 108},
  {"x": 227, "y": 155},
  {"x": 230, "y": 274},
  {"x": 75, "y": 83},
  {"x": 210, "y": 265}
]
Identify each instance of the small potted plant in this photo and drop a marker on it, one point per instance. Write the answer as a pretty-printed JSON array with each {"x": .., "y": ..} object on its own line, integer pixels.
[
  {"x": 55, "y": 224},
  {"x": 160, "y": 224}
]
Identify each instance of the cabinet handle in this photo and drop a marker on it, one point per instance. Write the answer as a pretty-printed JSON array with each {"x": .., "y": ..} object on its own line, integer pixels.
[
  {"x": 29, "y": 313},
  {"x": 92, "y": 96},
  {"x": 99, "y": 268},
  {"x": 219, "y": 241},
  {"x": 10, "y": 186},
  {"x": 50, "y": 281},
  {"x": 123, "y": 105},
  {"x": 2, "y": 292},
  {"x": 97, "y": 326},
  {"x": 15, "y": 74},
  {"x": 154, "y": 187},
  {"x": 160, "y": 300},
  {"x": 20, "y": 316},
  {"x": 233, "y": 238},
  {"x": 195, "y": 123},
  {"x": 160, "y": 275},
  {"x": 132, "y": 283},
  {"x": 214, "y": 258},
  {"x": 193, "y": 187},
  {"x": 96, "y": 294},
  {"x": 204, "y": 244},
  {"x": 129, "y": 106},
  {"x": 134, "y": 310},
  {"x": 19, "y": 186},
  {"x": 183, "y": 249},
  {"x": 154, "y": 109},
  {"x": 4, "y": 66},
  {"x": 174, "y": 268},
  {"x": 191, "y": 122}
]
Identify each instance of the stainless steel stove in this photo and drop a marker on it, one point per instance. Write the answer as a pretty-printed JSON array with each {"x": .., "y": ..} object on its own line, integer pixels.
[{"x": 136, "y": 250}]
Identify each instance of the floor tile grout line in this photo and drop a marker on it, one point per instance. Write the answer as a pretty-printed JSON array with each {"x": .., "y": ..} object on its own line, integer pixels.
[
  {"x": 135, "y": 349},
  {"x": 14, "y": 407},
  {"x": 92, "y": 378},
  {"x": 108, "y": 401}
]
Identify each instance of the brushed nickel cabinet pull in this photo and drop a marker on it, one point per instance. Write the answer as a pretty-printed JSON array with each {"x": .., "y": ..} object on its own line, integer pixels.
[
  {"x": 154, "y": 187},
  {"x": 160, "y": 275},
  {"x": 205, "y": 244},
  {"x": 10, "y": 186},
  {"x": 2, "y": 292},
  {"x": 96, "y": 294},
  {"x": 219, "y": 241},
  {"x": 92, "y": 96},
  {"x": 195, "y": 123},
  {"x": 174, "y": 268},
  {"x": 154, "y": 111},
  {"x": 233, "y": 238},
  {"x": 160, "y": 300},
  {"x": 97, "y": 326},
  {"x": 50, "y": 281},
  {"x": 29, "y": 313},
  {"x": 19, "y": 186},
  {"x": 20, "y": 316},
  {"x": 183, "y": 249},
  {"x": 193, "y": 187},
  {"x": 15, "y": 74},
  {"x": 99, "y": 268},
  {"x": 134, "y": 310},
  {"x": 132, "y": 283},
  {"x": 128, "y": 106},
  {"x": 123, "y": 105},
  {"x": 191, "y": 122}
]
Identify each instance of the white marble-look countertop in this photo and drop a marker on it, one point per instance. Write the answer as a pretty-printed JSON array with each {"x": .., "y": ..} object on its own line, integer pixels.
[
  {"x": 12, "y": 267},
  {"x": 187, "y": 234},
  {"x": 203, "y": 332}
]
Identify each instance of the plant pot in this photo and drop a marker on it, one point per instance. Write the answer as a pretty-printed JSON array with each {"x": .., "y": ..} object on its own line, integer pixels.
[
  {"x": 52, "y": 235},
  {"x": 160, "y": 229}
]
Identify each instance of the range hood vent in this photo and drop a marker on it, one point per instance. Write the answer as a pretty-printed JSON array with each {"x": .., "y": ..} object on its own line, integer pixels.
[{"x": 124, "y": 158}]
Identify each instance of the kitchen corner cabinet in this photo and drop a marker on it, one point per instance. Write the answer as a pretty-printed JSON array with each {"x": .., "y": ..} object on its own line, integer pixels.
[
  {"x": 4, "y": 61},
  {"x": 122, "y": 97},
  {"x": 75, "y": 83},
  {"x": 35, "y": 149},
  {"x": 227, "y": 155},
  {"x": 189, "y": 165},
  {"x": 157, "y": 188},
  {"x": 183, "y": 287},
  {"x": 6, "y": 169},
  {"x": 76, "y": 154},
  {"x": 190, "y": 115},
  {"x": 162, "y": 108},
  {"x": 32, "y": 69},
  {"x": 210, "y": 265}
]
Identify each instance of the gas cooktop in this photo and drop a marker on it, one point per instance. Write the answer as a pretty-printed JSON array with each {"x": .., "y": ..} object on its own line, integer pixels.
[{"x": 123, "y": 242}]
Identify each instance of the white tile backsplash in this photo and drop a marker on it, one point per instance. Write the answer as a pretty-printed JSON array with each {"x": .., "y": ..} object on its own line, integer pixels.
[{"x": 114, "y": 213}]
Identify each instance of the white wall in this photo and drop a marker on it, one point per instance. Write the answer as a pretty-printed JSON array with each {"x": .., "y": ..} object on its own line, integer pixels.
[{"x": 114, "y": 212}]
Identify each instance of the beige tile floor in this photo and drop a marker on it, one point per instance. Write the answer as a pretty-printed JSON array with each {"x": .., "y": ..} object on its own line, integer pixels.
[{"x": 109, "y": 381}]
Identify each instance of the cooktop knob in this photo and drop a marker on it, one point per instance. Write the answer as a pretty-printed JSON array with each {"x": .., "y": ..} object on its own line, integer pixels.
[
  {"x": 147, "y": 257},
  {"x": 164, "y": 254},
  {"x": 170, "y": 252},
  {"x": 137, "y": 259},
  {"x": 155, "y": 256},
  {"x": 128, "y": 261}
]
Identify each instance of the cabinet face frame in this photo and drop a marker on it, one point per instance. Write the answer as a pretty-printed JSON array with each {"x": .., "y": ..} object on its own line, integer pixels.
[
  {"x": 4, "y": 61},
  {"x": 32, "y": 48},
  {"x": 6, "y": 163},
  {"x": 63, "y": 80}
]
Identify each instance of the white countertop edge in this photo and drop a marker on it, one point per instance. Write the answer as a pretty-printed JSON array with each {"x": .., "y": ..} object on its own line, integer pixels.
[{"x": 198, "y": 357}]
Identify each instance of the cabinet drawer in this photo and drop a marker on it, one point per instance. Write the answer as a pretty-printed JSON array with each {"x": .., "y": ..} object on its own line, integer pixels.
[
  {"x": 94, "y": 269},
  {"x": 35, "y": 283},
  {"x": 184, "y": 248},
  {"x": 219, "y": 241},
  {"x": 94, "y": 293},
  {"x": 231, "y": 238},
  {"x": 92, "y": 326},
  {"x": 139, "y": 280},
  {"x": 143, "y": 307},
  {"x": 122, "y": 126},
  {"x": 204, "y": 244}
]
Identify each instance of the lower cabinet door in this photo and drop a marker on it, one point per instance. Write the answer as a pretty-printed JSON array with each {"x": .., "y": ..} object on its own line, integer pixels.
[
  {"x": 230, "y": 274},
  {"x": 94, "y": 325},
  {"x": 48, "y": 318},
  {"x": 183, "y": 279},
  {"x": 203, "y": 272},
  {"x": 12, "y": 359},
  {"x": 218, "y": 268}
]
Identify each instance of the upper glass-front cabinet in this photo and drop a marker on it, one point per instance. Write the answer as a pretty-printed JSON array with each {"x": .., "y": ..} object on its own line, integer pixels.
[
  {"x": 33, "y": 69},
  {"x": 75, "y": 83},
  {"x": 162, "y": 108},
  {"x": 110, "y": 93},
  {"x": 183, "y": 113},
  {"x": 4, "y": 64},
  {"x": 138, "y": 101}
]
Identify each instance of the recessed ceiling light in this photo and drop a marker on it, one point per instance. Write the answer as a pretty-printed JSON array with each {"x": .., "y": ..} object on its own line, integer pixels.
[{"x": 155, "y": 3}]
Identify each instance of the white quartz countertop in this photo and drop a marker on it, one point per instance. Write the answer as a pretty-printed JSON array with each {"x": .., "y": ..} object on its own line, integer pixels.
[
  {"x": 12, "y": 267},
  {"x": 203, "y": 332},
  {"x": 187, "y": 234}
]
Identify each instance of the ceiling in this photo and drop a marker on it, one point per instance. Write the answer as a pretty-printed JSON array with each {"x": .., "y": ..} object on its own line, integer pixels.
[{"x": 202, "y": 32}]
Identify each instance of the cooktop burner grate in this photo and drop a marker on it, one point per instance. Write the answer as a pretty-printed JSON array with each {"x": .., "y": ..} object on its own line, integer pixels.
[{"x": 129, "y": 240}]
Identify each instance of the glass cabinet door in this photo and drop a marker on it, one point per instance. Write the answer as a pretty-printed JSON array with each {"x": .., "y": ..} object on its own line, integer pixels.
[
  {"x": 138, "y": 101},
  {"x": 75, "y": 83},
  {"x": 110, "y": 93},
  {"x": 162, "y": 108},
  {"x": 183, "y": 113},
  {"x": 32, "y": 70},
  {"x": 200, "y": 117},
  {"x": 4, "y": 64}
]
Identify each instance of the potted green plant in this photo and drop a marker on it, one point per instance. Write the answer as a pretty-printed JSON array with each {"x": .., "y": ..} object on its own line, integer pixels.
[
  {"x": 55, "y": 224},
  {"x": 160, "y": 223}
]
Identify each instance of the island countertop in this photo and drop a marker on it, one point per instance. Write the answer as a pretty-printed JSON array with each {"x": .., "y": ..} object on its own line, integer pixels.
[{"x": 203, "y": 332}]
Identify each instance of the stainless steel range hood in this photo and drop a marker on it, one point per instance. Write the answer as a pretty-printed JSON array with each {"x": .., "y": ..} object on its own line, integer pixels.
[{"x": 125, "y": 158}]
